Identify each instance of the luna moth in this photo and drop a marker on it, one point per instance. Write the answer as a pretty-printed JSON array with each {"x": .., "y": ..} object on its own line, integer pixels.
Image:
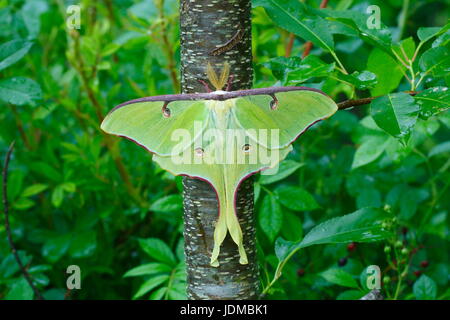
[{"x": 221, "y": 137}]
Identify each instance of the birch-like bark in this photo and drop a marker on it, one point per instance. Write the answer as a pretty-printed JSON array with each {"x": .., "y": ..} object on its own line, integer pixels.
[{"x": 216, "y": 31}]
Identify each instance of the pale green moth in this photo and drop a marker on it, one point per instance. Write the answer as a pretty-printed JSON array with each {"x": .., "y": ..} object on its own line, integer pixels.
[{"x": 221, "y": 137}]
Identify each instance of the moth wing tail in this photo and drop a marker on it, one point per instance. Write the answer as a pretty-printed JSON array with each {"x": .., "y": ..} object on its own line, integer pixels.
[
  {"x": 220, "y": 233},
  {"x": 235, "y": 230}
]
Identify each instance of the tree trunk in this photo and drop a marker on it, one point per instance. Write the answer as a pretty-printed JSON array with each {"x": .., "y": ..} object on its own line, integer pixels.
[{"x": 216, "y": 31}]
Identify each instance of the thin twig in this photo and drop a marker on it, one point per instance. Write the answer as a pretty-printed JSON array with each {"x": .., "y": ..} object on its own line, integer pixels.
[
  {"x": 109, "y": 7},
  {"x": 80, "y": 67},
  {"x": 289, "y": 45},
  {"x": 308, "y": 47},
  {"x": 168, "y": 49},
  {"x": 309, "y": 44},
  {"x": 402, "y": 19},
  {"x": 19, "y": 125},
  {"x": 8, "y": 228},
  {"x": 360, "y": 102}
]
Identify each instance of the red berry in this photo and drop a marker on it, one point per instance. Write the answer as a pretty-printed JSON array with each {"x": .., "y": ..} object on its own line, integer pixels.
[
  {"x": 417, "y": 273},
  {"x": 424, "y": 264},
  {"x": 351, "y": 246},
  {"x": 404, "y": 230},
  {"x": 300, "y": 272}
]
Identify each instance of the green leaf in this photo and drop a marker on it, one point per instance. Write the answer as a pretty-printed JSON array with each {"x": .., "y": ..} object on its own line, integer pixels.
[
  {"x": 158, "y": 250},
  {"x": 20, "y": 290},
  {"x": 368, "y": 197},
  {"x": 55, "y": 247},
  {"x": 170, "y": 203},
  {"x": 270, "y": 216},
  {"x": 363, "y": 225},
  {"x": 426, "y": 33},
  {"x": 144, "y": 9},
  {"x": 23, "y": 204},
  {"x": 179, "y": 250},
  {"x": 439, "y": 271},
  {"x": 292, "y": 227},
  {"x": 370, "y": 150},
  {"x": 13, "y": 51},
  {"x": 110, "y": 49},
  {"x": 19, "y": 91},
  {"x": 41, "y": 279},
  {"x": 283, "y": 248},
  {"x": 31, "y": 12},
  {"x": 9, "y": 265},
  {"x": 69, "y": 187},
  {"x": 178, "y": 291},
  {"x": 443, "y": 147},
  {"x": 6, "y": 17},
  {"x": 285, "y": 169},
  {"x": 311, "y": 67},
  {"x": 436, "y": 61},
  {"x": 34, "y": 189},
  {"x": 337, "y": 27},
  {"x": 387, "y": 71},
  {"x": 150, "y": 284},
  {"x": 83, "y": 244},
  {"x": 357, "y": 21},
  {"x": 58, "y": 196},
  {"x": 433, "y": 101},
  {"x": 350, "y": 295},
  {"x": 149, "y": 268},
  {"x": 158, "y": 294},
  {"x": 442, "y": 40},
  {"x": 395, "y": 113},
  {"x": 361, "y": 80},
  {"x": 296, "y": 198},
  {"x": 410, "y": 201},
  {"x": 295, "y": 70},
  {"x": 15, "y": 183},
  {"x": 339, "y": 277},
  {"x": 290, "y": 15},
  {"x": 177, "y": 295},
  {"x": 425, "y": 288},
  {"x": 180, "y": 271},
  {"x": 405, "y": 200},
  {"x": 55, "y": 294},
  {"x": 257, "y": 191},
  {"x": 44, "y": 169}
]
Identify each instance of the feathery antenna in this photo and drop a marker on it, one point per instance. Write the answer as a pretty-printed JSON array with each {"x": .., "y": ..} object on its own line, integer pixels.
[{"x": 218, "y": 82}]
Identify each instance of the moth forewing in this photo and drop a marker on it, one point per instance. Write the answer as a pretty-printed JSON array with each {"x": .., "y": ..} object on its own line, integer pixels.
[{"x": 180, "y": 153}]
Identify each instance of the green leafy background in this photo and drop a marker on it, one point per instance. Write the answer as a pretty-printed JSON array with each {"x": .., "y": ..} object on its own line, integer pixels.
[{"x": 367, "y": 187}]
